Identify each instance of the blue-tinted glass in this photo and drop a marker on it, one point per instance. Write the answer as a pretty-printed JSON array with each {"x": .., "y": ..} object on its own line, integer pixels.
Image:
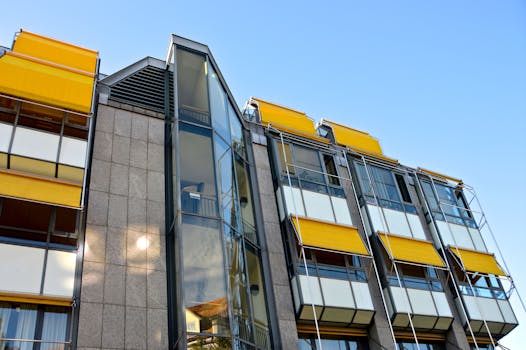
[
  {"x": 337, "y": 191},
  {"x": 218, "y": 106},
  {"x": 330, "y": 271},
  {"x": 312, "y": 186},
  {"x": 365, "y": 184},
  {"x": 410, "y": 208},
  {"x": 430, "y": 196}
]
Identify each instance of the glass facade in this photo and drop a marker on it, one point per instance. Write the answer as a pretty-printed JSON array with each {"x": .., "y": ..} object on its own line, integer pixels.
[{"x": 222, "y": 294}]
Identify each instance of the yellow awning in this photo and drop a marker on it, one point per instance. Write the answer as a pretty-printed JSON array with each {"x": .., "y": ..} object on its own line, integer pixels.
[
  {"x": 357, "y": 140},
  {"x": 411, "y": 250},
  {"x": 331, "y": 236},
  {"x": 441, "y": 176},
  {"x": 474, "y": 261},
  {"x": 40, "y": 82},
  {"x": 287, "y": 120},
  {"x": 19, "y": 185},
  {"x": 55, "y": 51}
]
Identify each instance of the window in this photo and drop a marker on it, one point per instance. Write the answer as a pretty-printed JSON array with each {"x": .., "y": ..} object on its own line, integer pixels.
[
  {"x": 48, "y": 324},
  {"x": 332, "y": 265},
  {"x": 421, "y": 346},
  {"x": 416, "y": 277},
  {"x": 389, "y": 188},
  {"x": 486, "y": 286},
  {"x": 310, "y": 342},
  {"x": 309, "y": 169},
  {"x": 451, "y": 202}
]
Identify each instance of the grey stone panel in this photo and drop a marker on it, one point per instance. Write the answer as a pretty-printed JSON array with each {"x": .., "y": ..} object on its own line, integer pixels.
[
  {"x": 156, "y": 289},
  {"x": 138, "y": 153},
  {"x": 155, "y": 157},
  {"x": 105, "y": 118},
  {"x": 155, "y": 186},
  {"x": 92, "y": 282},
  {"x": 135, "y": 328},
  {"x": 137, "y": 183},
  {"x": 270, "y": 211},
  {"x": 118, "y": 211},
  {"x": 157, "y": 330},
  {"x": 90, "y": 331},
  {"x": 156, "y": 252},
  {"x": 121, "y": 150},
  {"x": 289, "y": 334},
  {"x": 95, "y": 241},
  {"x": 139, "y": 127},
  {"x": 116, "y": 246},
  {"x": 122, "y": 125},
  {"x": 136, "y": 243},
  {"x": 282, "y": 295},
  {"x": 113, "y": 327},
  {"x": 279, "y": 268},
  {"x": 103, "y": 146},
  {"x": 98, "y": 208},
  {"x": 137, "y": 214},
  {"x": 155, "y": 217},
  {"x": 100, "y": 175},
  {"x": 135, "y": 287},
  {"x": 115, "y": 284},
  {"x": 156, "y": 131},
  {"x": 118, "y": 183},
  {"x": 261, "y": 157}
]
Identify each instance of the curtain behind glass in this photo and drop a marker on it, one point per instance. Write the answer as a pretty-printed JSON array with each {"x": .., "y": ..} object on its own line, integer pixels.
[{"x": 54, "y": 328}]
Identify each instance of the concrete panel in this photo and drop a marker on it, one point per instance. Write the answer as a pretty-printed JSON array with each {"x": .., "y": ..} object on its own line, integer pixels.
[
  {"x": 20, "y": 268},
  {"x": 281, "y": 210},
  {"x": 318, "y": 206},
  {"x": 416, "y": 226},
  {"x": 443, "y": 229},
  {"x": 507, "y": 311},
  {"x": 441, "y": 304},
  {"x": 377, "y": 219},
  {"x": 293, "y": 201},
  {"x": 362, "y": 295},
  {"x": 310, "y": 290},
  {"x": 397, "y": 222},
  {"x": 337, "y": 293},
  {"x": 399, "y": 300},
  {"x": 60, "y": 273},
  {"x": 478, "y": 241},
  {"x": 421, "y": 302},
  {"x": 341, "y": 210},
  {"x": 490, "y": 309},
  {"x": 470, "y": 303},
  {"x": 461, "y": 236}
]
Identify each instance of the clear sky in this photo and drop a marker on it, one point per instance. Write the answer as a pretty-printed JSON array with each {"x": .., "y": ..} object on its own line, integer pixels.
[{"x": 442, "y": 84}]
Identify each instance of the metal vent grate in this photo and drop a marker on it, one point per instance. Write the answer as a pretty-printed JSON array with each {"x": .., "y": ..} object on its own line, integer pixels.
[{"x": 145, "y": 89}]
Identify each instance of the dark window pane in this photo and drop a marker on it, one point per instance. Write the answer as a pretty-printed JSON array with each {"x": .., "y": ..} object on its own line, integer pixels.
[
  {"x": 403, "y": 188},
  {"x": 25, "y": 215},
  {"x": 332, "y": 173},
  {"x": 192, "y": 87},
  {"x": 306, "y": 159}
]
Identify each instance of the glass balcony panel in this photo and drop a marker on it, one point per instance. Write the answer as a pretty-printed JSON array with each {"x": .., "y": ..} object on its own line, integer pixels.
[
  {"x": 73, "y": 152},
  {"x": 35, "y": 144},
  {"x": 204, "y": 284},
  {"x": 192, "y": 87},
  {"x": 218, "y": 105},
  {"x": 5, "y": 136}
]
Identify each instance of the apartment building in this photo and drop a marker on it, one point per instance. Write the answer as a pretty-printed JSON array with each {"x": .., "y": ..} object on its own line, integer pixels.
[{"x": 145, "y": 210}]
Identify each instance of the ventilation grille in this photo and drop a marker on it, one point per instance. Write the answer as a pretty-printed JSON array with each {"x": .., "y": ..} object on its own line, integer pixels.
[{"x": 144, "y": 88}]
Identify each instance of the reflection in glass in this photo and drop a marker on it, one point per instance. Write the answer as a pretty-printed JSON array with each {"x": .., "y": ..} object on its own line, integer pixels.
[
  {"x": 257, "y": 294},
  {"x": 218, "y": 104},
  {"x": 238, "y": 143},
  {"x": 204, "y": 276},
  {"x": 17, "y": 322},
  {"x": 245, "y": 199},
  {"x": 192, "y": 87},
  {"x": 54, "y": 327},
  {"x": 225, "y": 170},
  {"x": 198, "y": 188}
]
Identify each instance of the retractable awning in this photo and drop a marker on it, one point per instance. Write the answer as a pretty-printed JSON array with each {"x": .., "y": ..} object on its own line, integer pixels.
[
  {"x": 474, "y": 261},
  {"x": 411, "y": 250},
  {"x": 288, "y": 120},
  {"x": 357, "y": 140},
  {"x": 330, "y": 236}
]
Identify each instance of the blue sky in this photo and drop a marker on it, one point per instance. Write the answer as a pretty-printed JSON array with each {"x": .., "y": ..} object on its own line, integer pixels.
[{"x": 442, "y": 84}]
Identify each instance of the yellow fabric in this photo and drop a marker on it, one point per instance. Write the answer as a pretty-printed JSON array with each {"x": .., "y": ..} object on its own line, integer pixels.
[
  {"x": 3, "y": 160},
  {"x": 288, "y": 120},
  {"x": 70, "y": 173},
  {"x": 33, "y": 166},
  {"x": 442, "y": 176},
  {"x": 411, "y": 250},
  {"x": 50, "y": 85},
  {"x": 34, "y": 299},
  {"x": 13, "y": 184},
  {"x": 55, "y": 51},
  {"x": 331, "y": 236},
  {"x": 478, "y": 261},
  {"x": 358, "y": 141}
]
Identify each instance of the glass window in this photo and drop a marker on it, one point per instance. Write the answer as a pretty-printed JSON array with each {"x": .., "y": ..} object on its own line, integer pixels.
[
  {"x": 238, "y": 140},
  {"x": 245, "y": 200},
  {"x": 218, "y": 105},
  {"x": 330, "y": 167},
  {"x": 192, "y": 87},
  {"x": 310, "y": 342},
  {"x": 257, "y": 295},
  {"x": 198, "y": 187},
  {"x": 225, "y": 169},
  {"x": 204, "y": 276},
  {"x": 306, "y": 159}
]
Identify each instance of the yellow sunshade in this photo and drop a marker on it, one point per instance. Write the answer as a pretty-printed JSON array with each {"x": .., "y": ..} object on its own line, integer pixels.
[
  {"x": 288, "y": 120},
  {"x": 55, "y": 51},
  {"x": 43, "y": 83},
  {"x": 18, "y": 185},
  {"x": 357, "y": 140},
  {"x": 331, "y": 236},
  {"x": 411, "y": 250},
  {"x": 474, "y": 261},
  {"x": 442, "y": 176}
]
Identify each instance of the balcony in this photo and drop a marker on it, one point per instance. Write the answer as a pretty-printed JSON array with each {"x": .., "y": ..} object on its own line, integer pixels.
[{"x": 334, "y": 300}]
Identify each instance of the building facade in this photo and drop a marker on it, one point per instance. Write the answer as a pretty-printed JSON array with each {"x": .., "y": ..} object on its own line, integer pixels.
[{"x": 145, "y": 210}]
